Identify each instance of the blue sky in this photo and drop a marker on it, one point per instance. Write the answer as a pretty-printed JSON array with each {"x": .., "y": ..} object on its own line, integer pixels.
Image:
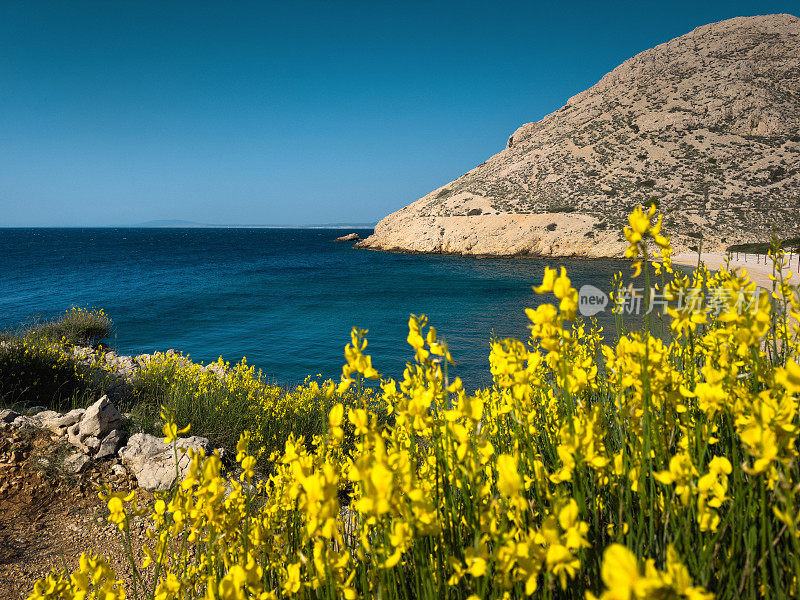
[{"x": 287, "y": 113}]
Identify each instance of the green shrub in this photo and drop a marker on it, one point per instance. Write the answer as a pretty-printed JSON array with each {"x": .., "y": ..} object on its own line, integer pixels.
[{"x": 77, "y": 326}]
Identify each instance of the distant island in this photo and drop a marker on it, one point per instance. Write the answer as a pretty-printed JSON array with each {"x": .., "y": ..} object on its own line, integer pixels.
[{"x": 706, "y": 126}]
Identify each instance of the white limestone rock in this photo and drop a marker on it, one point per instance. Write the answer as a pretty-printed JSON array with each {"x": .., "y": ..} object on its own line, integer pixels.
[
  {"x": 152, "y": 461},
  {"x": 23, "y": 422},
  {"x": 7, "y": 415},
  {"x": 58, "y": 423},
  {"x": 76, "y": 463},
  {"x": 111, "y": 444},
  {"x": 100, "y": 419}
]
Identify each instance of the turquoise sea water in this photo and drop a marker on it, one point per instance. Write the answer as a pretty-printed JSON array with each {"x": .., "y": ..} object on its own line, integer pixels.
[{"x": 285, "y": 298}]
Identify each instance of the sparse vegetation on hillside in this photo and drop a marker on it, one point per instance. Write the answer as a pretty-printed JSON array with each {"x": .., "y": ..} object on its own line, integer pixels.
[
  {"x": 76, "y": 327},
  {"x": 714, "y": 143}
]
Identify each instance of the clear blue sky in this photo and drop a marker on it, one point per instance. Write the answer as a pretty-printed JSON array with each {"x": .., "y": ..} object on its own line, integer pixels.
[{"x": 292, "y": 112}]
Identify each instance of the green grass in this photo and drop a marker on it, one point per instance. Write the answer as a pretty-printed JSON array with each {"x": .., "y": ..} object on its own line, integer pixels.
[
  {"x": 37, "y": 372},
  {"x": 223, "y": 406},
  {"x": 38, "y": 367}
]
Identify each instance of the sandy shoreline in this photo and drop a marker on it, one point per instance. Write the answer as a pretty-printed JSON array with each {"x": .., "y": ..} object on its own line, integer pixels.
[{"x": 757, "y": 269}]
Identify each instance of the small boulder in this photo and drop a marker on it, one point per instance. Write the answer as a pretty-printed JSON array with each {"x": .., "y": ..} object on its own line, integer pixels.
[
  {"x": 350, "y": 237},
  {"x": 76, "y": 463},
  {"x": 119, "y": 470},
  {"x": 60, "y": 423},
  {"x": 91, "y": 445},
  {"x": 23, "y": 422},
  {"x": 46, "y": 415},
  {"x": 125, "y": 366},
  {"x": 73, "y": 435},
  {"x": 100, "y": 419},
  {"x": 111, "y": 444},
  {"x": 7, "y": 415},
  {"x": 152, "y": 461}
]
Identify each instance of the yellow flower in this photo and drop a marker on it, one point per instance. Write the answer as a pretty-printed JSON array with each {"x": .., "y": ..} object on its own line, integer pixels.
[
  {"x": 641, "y": 227},
  {"x": 561, "y": 287},
  {"x": 335, "y": 421},
  {"x": 625, "y": 581},
  {"x": 789, "y": 377},
  {"x": 169, "y": 428},
  {"x": 291, "y": 582},
  {"x": 359, "y": 418},
  {"x": 620, "y": 573},
  {"x": 509, "y": 482}
]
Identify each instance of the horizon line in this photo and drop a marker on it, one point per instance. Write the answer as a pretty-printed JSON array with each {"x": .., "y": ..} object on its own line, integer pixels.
[{"x": 201, "y": 226}]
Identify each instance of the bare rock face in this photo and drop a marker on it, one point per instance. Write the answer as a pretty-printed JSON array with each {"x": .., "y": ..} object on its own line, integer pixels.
[
  {"x": 25, "y": 422},
  {"x": 75, "y": 463},
  {"x": 111, "y": 444},
  {"x": 707, "y": 126},
  {"x": 85, "y": 429}
]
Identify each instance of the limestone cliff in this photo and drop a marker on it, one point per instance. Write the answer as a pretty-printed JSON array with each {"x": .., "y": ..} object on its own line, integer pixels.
[{"x": 706, "y": 125}]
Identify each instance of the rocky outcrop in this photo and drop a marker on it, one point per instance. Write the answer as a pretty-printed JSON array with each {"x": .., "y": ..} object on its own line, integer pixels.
[
  {"x": 111, "y": 444},
  {"x": 118, "y": 372},
  {"x": 96, "y": 434},
  {"x": 76, "y": 462},
  {"x": 100, "y": 419},
  {"x": 707, "y": 126},
  {"x": 61, "y": 423},
  {"x": 95, "y": 424},
  {"x": 350, "y": 237}
]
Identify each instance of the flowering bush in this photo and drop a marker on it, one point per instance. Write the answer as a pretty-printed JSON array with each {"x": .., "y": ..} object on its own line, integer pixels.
[
  {"x": 221, "y": 401},
  {"x": 662, "y": 466}
]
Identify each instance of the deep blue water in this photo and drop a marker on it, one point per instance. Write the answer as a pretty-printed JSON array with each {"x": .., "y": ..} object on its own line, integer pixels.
[{"x": 285, "y": 298}]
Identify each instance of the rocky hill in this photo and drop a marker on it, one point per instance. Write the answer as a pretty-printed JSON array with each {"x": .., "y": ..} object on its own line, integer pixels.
[{"x": 706, "y": 125}]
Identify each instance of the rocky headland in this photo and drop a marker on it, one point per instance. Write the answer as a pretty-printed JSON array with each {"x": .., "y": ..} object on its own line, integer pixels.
[{"x": 707, "y": 126}]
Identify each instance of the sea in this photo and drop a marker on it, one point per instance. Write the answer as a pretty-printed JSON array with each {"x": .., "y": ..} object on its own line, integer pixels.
[{"x": 284, "y": 298}]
